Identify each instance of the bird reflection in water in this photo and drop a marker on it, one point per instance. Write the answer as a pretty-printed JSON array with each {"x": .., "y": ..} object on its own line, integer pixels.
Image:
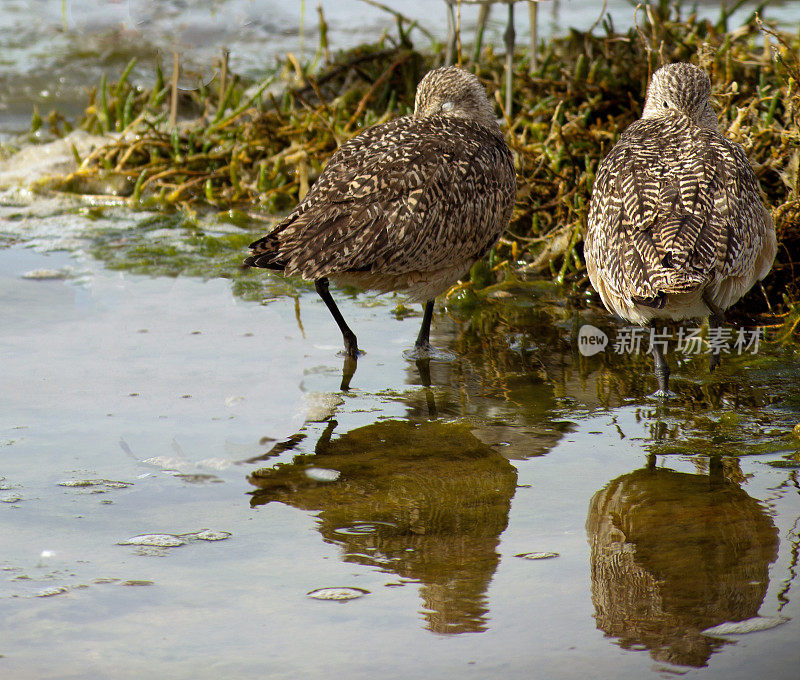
[
  {"x": 424, "y": 500},
  {"x": 673, "y": 554}
]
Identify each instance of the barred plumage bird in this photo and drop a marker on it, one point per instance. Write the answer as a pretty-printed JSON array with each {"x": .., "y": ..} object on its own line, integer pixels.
[
  {"x": 407, "y": 205},
  {"x": 676, "y": 226}
]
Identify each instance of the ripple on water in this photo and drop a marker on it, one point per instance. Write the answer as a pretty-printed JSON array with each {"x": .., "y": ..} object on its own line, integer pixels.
[
  {"x": 537, "y": 555},
  {"x": 363, "y": 528},
  {"x": 341, "y": 594}
]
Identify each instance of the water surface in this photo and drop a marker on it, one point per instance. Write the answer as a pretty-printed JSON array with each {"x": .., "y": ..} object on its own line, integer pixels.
[{"x": 167, "y": 405}]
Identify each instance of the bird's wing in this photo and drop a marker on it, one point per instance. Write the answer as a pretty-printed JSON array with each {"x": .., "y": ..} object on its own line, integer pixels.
[
  {"x": 673, "y": 207},
  {"x": 406, "y": 196}
]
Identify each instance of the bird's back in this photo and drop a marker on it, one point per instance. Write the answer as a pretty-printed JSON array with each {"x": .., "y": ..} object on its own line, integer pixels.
[
  {"x": 675, "y": 211},
  {"x": 408, "y": 196}
]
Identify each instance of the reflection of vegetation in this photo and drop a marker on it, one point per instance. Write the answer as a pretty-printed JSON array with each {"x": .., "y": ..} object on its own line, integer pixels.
[
  {"x": 427, "y": 501},
  {"x": 264, "y": 143},
  {"x": 521, "y": 350},
  {"x": 673, "y": 554},
  {"x": 791, "y": 486}
]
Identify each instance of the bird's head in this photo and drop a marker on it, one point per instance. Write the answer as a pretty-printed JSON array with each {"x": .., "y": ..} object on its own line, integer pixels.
[
  {"x": 682, "y": 88},
  {"x": 452, "y": 91}
]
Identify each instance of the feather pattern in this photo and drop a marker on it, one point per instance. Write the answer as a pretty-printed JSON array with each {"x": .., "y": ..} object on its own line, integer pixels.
[{"x": 676, "y": 212}]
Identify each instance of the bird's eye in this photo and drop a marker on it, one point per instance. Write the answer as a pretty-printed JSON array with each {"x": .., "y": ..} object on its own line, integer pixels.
[
  {"x": 666, "y": 105},
  {"x": 448, "y": 106}
]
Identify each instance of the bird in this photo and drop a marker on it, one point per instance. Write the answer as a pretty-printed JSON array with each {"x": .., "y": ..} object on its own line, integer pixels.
[
  {"x": 407, "y": 205},
  {"x": 676, "y": 226}
]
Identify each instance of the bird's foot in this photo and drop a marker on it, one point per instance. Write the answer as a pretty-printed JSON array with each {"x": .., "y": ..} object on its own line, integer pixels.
[
  {"x": 428, "y": 351},
  {"x": 663, "y": 394},
  {"x": 350, "y": 350},
  {"x": 350, "y": 353}
]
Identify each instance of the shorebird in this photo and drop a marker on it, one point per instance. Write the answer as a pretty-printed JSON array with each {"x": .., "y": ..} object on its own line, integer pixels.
[
  {"x": 407, "y": 205},
  {"x": 676, "y": 228}
]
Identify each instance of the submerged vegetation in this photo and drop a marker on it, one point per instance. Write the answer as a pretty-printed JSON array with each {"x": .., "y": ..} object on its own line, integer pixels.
[{"x": 256, "y": 147}]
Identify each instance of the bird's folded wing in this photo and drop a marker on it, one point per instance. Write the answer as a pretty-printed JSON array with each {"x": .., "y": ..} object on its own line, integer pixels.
[
  {"x": 674, "y": 206},
  {"x": 400, "y": 197}
]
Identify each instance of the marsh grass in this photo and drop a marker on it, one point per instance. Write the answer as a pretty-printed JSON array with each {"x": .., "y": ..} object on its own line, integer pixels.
[{"x": 259, "y": 146}]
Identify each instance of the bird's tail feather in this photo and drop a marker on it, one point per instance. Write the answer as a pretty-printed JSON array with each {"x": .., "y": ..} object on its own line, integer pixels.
[{"x": 265, "y": 254}]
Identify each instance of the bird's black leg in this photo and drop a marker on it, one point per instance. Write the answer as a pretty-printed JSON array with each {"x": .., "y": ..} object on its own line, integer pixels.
[
  {"x": 715, "y": 320},
  {"x": 422, "y": 347},
  {"x": 661, "y": 369},
  {"x": 424, "y": 337},
  {"x": 350, "y": 342}
]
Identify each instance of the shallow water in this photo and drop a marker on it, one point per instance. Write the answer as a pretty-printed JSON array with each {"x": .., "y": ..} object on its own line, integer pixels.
[
  {"x": 182, "y": 474},
  {"x": 162, "y": 405}
]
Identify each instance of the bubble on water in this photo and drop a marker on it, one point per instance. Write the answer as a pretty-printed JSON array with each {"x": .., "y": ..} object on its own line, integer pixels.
[
  {"x": 85, "y": 483},
  {"x": 341, "y": 594},
  {"x": 175, "y": 540},
  {"x": 52, "y": 592},
  {"x": 537, "y": 555},
  {"x": 753, "y": 625},
  {"x": 322, "y": 474},
  {"x": 155, "y": 540}
]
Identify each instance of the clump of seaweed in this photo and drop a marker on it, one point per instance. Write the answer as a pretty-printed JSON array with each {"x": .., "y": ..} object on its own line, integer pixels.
[{"x": 260, "y": 145}]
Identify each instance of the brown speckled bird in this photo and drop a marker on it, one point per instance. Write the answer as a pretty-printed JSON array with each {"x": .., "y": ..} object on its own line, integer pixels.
[
  {"x": 676, "y": 226},
  {"x": 409, "y": 205}
]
